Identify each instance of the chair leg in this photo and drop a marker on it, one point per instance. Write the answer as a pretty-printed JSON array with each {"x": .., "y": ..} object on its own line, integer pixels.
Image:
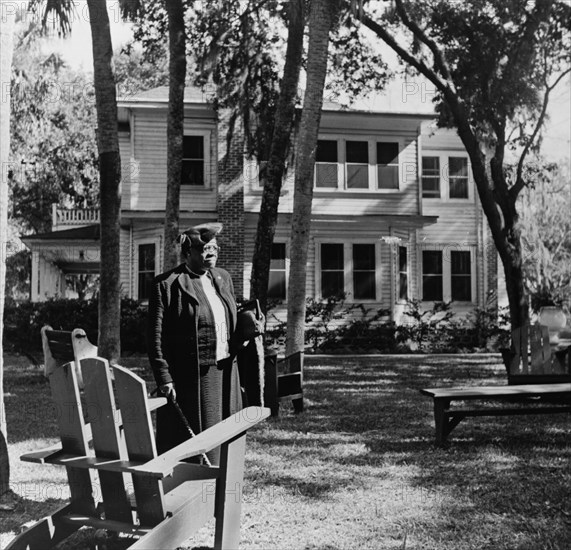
[
  {"x": 298, "y": 405},
  {"x": 45, "y": 533},
  {"x": 229, "y": 494}
]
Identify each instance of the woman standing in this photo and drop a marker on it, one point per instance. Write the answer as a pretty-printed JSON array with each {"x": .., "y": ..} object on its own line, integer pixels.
[{"x": 192, "y": 321}]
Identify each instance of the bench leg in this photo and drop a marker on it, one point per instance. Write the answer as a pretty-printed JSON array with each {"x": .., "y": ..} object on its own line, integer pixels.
[{"x": 441, "y": 420}]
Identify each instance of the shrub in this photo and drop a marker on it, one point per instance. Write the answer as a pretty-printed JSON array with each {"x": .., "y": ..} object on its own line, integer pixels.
[{"x": 23, "y": 322}]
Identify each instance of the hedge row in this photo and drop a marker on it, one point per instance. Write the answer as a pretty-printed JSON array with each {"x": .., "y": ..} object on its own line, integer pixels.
[{"x": 23, "y": 322}]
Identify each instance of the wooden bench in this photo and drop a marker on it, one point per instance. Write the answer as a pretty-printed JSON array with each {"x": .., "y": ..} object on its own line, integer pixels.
[
  {"x": 446, "y": 420},
  {"x": 63, "y": 346},
  {"x": 116, "y": 480}
]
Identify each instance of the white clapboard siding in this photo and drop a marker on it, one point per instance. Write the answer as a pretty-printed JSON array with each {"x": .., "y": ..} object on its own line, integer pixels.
[{"x": 148, "y": 192}]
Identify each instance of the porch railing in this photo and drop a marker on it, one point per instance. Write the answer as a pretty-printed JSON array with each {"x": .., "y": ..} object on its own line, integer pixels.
[{"x": 76, "y": 216}]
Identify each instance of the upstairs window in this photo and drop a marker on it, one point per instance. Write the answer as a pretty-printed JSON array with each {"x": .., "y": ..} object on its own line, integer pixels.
[
  {"x": 326, "y": 174},
  {"x": 387, "y": 165},
  {"x": 432, "y": 276},
  {"x": 332, "y": 270},
  {"x": 460, "y": 276},
  {"x": 430, "y": 177},
  {"x": 357, "y": 159},
  {"x": 277, "y": 280},
  {"x": 364, "y": 284},
  {"x": 458, "y": 177},
  {"x": 192, "y": 160},
  {"x": 145, "y": 270}
]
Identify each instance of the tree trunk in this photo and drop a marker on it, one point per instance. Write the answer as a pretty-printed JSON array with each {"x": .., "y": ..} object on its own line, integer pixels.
[
  {"x": 6, "y": 49},
  {"x": 272, "y": 177},
  {"x": 320, "y": 21},
  {"x": 109, "y": 342},
  {"x": 495, "y": 197},
  {"x": 175, "y": 128}
]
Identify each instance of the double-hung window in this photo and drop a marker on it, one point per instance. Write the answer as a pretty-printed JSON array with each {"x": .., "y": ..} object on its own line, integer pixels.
[
  {"x": 146, "y": 265},
  {"x": 326, "y": 173},
  {"x": 387, "y": 165},
  {"x": 447, "y": 276},
  {"x": 277, "y": 280},
  {"x": 430, "y": 177},
  {"x": 432, "y": 275},
  {"x": 460, "y": 276},
  {"x": 349, "y": 268},
  {"x": 357, "y": 164},
  {"x": 193, "y": 160},
  {"x": 332, "y": 269},
  {"x": 402, "y": 273},
  {"x": 458, "y": 177},
  {"x": 364, "y": 272},
  {"x": 445, "y": 177}
]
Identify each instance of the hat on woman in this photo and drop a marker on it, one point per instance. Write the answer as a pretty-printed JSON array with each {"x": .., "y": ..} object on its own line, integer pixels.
[{"x": 199, "y": 235}]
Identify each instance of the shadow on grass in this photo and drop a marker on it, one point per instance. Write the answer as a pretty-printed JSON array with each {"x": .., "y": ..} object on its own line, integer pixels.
[{"x": 359, "y": 467}]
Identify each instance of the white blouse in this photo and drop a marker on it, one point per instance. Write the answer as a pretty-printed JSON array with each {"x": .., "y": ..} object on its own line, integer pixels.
[{"x": 219, "y": 312}]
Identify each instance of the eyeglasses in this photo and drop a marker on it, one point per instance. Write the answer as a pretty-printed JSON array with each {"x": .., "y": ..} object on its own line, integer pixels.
[{"x": 211, "y": 249}]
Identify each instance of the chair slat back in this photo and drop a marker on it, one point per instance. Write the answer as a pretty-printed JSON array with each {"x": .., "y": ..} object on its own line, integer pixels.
[
  {"x": 139, "y": 437},
  {"x": 533, "y": 352},
  {"x": 73, "y": 433},
  {"x": 103, "y": 417}
]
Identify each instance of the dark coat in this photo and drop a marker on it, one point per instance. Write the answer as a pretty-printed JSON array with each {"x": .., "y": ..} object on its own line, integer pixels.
[{"x": 205, "y": 394}]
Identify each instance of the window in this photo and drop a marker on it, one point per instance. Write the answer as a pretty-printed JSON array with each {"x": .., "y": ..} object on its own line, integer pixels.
[
  {"x": 357, "y": 157},
  {"x": 403, "y": 273},
  {"x": 448, "y": 275},
  {"x": 364, "y": 285},
  {"x": 458, "y": 177},
  {"x": 332, "y": 270},
  {"x": 326, "y": 163},
  {"x": 430, "y": 177},
  {"x": 460, "y": 276},
  {"x": 387, "y": 165},
  {"x": 432, "y": 275},
  {"x": 277, "y": 280},
  {"x": 146, "y": 270},
  {"x": 192, "y": 160}
]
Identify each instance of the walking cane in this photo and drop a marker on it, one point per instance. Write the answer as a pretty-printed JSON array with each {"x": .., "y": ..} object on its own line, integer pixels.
[{"x": 175, "y": 404}]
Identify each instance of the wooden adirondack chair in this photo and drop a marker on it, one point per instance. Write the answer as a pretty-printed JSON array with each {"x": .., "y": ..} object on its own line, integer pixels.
[
  {"x": 63, "y": 346},
  {"x": 121, "y": 484},
  {"x": 287, "y": 386},
  {"x": 533, "y": 360}
]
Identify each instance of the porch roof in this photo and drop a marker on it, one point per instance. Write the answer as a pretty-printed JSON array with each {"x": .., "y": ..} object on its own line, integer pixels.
[{"x": 86, "y": 233}]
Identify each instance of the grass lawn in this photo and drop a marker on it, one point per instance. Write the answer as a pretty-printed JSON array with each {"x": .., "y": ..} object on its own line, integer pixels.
[{"x": 358, "y": 469}]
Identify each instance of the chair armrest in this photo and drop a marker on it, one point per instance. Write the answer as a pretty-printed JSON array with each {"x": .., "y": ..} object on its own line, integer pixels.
[{"x": 223, "y": 432}]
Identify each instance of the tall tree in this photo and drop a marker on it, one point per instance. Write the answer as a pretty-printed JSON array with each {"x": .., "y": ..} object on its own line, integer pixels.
[
  {"x": 53, "y": 147},
  {"x": 321, "y": 19},
  {"x": 494, "y": 64},
  {"x": 7, "y": 24},
  {"x": 175, "y": 127},
  {"x": 109, "y": 343},
  {"x": 272, "y": 176}
]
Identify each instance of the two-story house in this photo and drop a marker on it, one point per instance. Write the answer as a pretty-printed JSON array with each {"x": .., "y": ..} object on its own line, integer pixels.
[{"x": 395, "y": 213}]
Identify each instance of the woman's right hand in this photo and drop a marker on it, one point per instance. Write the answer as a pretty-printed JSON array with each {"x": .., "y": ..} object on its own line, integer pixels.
[{"x": 168, "y": 391}]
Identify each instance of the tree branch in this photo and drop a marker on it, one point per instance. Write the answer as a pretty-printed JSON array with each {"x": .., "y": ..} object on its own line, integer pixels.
[
  {"x": 520, "y": 182},
  {"x": 439, "y": 60},
  {"x": 390, "y": 40}
]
